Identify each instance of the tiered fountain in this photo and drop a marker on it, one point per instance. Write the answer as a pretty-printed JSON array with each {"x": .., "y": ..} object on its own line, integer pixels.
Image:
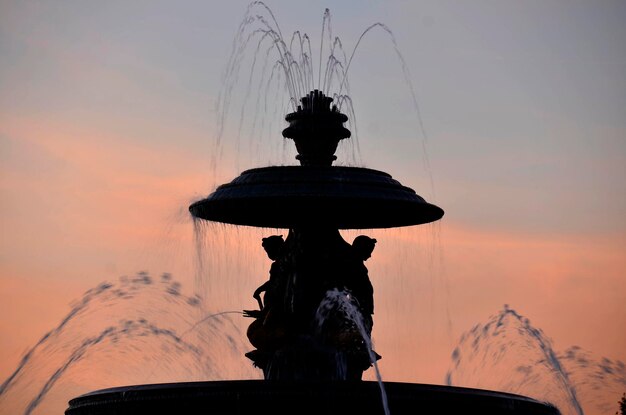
[{"x": 312, "y": 330}]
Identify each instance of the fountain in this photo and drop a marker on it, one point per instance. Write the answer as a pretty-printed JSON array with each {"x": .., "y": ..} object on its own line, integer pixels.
[
  {"x": 314, "y": 201},
  {"x": 311, "y": 332}
]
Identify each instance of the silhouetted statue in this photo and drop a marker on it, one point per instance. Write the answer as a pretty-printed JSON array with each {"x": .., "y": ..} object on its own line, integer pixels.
[
  {"x": 289, "y": 343},
  {"x": 274, "y": 287},
  {"x": 360, "y": 286},
  {"x": 353, "y": 277},
  {"x": 340, "y": 330},
  {"x": 268, "y": 330}
]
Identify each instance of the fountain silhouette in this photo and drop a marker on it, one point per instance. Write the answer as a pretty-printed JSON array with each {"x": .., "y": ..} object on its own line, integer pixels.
[
  {"x": 313, "y": 200},
  {"x": 303, "y": 345},
  {"x": 312, "y": 331}
]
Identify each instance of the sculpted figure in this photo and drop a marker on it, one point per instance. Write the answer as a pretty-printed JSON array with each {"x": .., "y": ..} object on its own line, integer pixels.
[
  {"x": 339, "y": 329},
  {"x": 273, "y": 246},
  {"x": 359, "y": 284},
  {"x": 267, "y": 330}
]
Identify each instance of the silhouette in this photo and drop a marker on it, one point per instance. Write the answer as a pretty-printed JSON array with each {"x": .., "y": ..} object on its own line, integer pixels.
[
  {"x": 314, "y": 200},
  {"x": 361, "y": 287},
  {"x": 304, "y": 268},
  {"x": 314, "y": 320},
  {"x": 274, "y": 287},
  {"x": 312, "y": 270}
]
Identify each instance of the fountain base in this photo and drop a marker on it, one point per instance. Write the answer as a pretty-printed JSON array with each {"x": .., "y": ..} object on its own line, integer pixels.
[{"x": 275, "y": 397}]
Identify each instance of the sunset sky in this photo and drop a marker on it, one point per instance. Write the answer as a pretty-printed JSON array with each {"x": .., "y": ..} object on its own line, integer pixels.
[{"x": 107, "y": 125}]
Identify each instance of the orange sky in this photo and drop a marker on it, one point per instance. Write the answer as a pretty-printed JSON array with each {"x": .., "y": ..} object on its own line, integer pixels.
[
  {"x": 98, "y": 213},
  {"x": 107, "y": 130}
]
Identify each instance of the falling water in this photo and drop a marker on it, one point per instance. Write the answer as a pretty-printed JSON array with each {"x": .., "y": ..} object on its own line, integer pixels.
[
  {"x": 272, "y": 72},
  {"x": 409, "y": 303},
  {"x": 342, "y": 302},
  {"x": 142, "y": 330},
  {"x": 264, "y": 78},
  {"x": 135, "y": 330},
  {"x": 268, "y": 70},
  {"x": 508, "y": 353},
  {"x": 230, "y": 264}
]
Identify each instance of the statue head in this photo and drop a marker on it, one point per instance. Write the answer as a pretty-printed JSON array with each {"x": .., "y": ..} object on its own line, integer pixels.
[
  {"x": 363, "y": 246},
  {"x": 273, "y": 245}
]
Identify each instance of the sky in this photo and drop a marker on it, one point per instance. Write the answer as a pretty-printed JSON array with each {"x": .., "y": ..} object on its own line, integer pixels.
[{"x": 107, "y": 130}]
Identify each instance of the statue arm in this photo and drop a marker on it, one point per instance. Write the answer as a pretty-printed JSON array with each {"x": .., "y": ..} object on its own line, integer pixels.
[{"x": 258, "y": 291}]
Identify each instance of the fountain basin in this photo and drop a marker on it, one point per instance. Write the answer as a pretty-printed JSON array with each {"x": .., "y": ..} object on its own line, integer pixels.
[
  {"x": 304, "y": 196},
  {"x": 303, "y": 397}
]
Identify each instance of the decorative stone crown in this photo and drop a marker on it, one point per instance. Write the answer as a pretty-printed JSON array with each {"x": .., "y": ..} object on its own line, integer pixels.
[{"x": 316, "y": 128}]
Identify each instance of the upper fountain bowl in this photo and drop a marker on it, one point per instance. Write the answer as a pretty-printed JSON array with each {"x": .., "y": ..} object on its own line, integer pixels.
[
  {"x": 316, "y": 193},
  {"x": 304, "y": 196}
]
